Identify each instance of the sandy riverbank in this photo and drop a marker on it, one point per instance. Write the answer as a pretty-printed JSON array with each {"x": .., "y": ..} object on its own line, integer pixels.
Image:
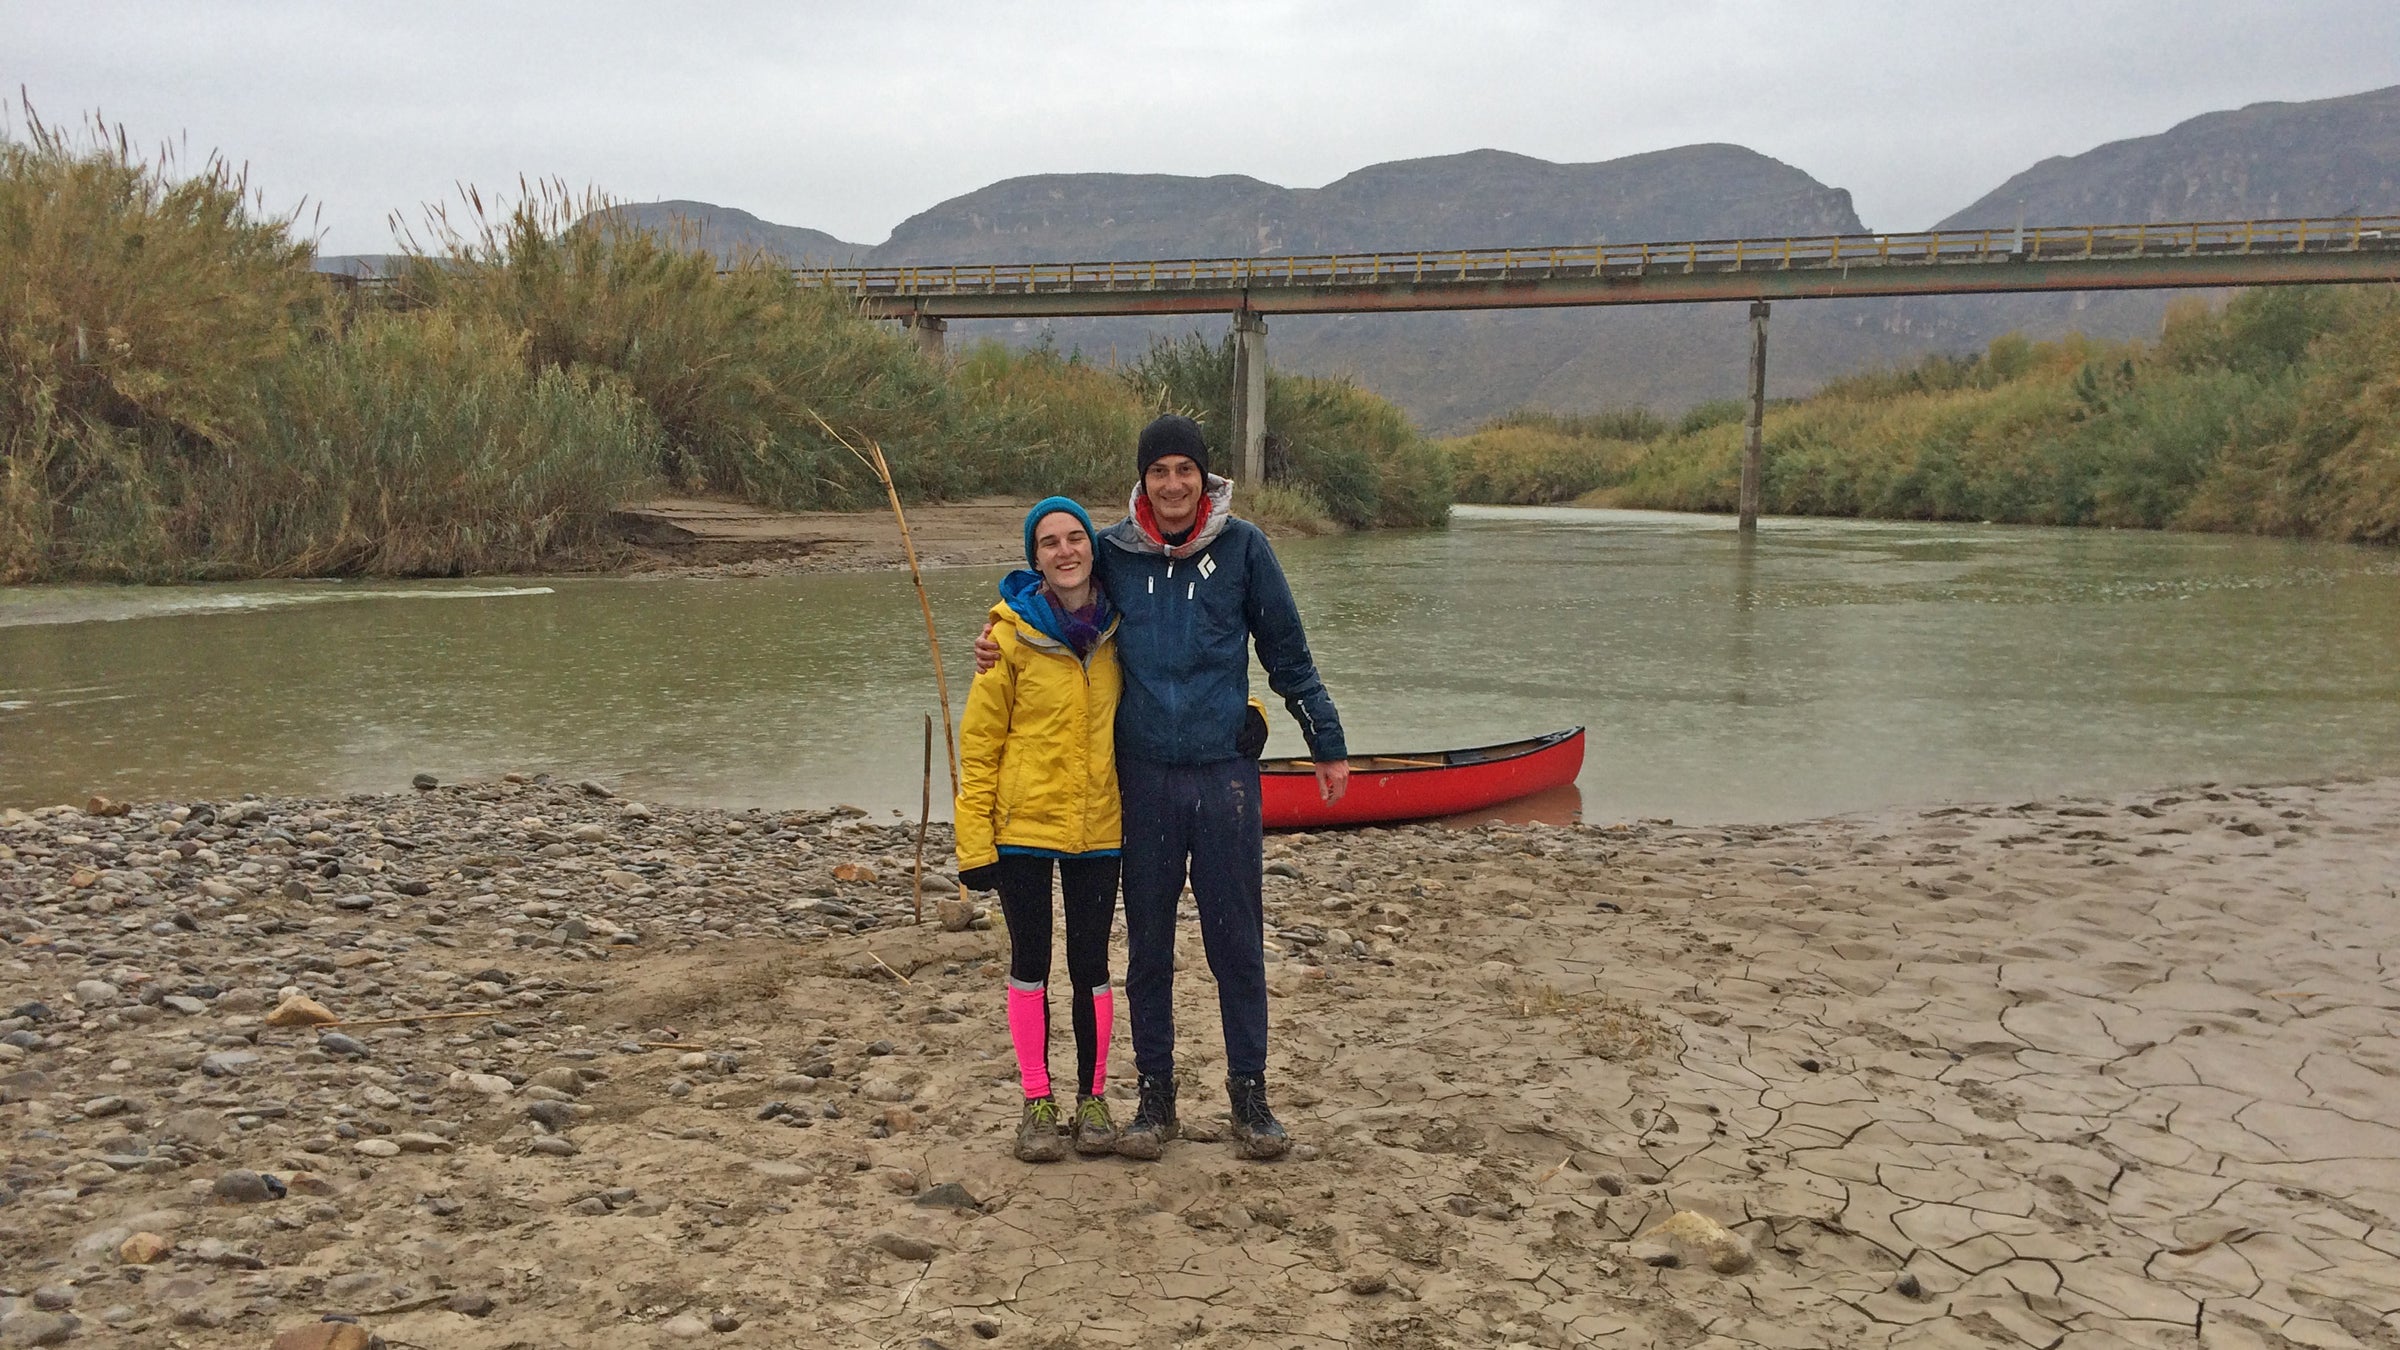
[
  {"x": 2090, "y": 1073},
  {"x": 710, "y": 536}
]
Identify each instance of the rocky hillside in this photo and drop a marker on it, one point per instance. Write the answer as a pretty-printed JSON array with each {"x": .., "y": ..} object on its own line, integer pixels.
[
  {"x": 729, "y": 233},
  {"x": 1451, "y": 201}
]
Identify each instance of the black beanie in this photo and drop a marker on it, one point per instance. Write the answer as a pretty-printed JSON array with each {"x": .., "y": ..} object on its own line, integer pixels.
[{"x": 1170, "y": 434}]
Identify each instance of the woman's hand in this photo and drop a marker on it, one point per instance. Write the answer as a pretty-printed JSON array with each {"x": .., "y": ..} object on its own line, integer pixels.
[
  {"x": 987, "y": 652},
  {"x": 1333, "y": 780},
  {"x": 984, "y": 878}
]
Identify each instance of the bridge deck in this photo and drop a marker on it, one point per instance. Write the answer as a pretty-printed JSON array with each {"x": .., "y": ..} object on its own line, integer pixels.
[{"x": 2089, "y": 257}]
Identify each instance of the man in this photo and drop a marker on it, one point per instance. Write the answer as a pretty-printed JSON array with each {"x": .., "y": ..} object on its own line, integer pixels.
[{"x": 1194, "y": 587}]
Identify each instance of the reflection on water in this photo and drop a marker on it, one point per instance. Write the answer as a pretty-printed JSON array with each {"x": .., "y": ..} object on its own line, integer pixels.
[{"x": 1822, "y": 666}]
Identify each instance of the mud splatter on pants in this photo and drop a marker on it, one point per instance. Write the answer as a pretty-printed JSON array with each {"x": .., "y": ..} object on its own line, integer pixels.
[{"x": 1200, "y": 821}]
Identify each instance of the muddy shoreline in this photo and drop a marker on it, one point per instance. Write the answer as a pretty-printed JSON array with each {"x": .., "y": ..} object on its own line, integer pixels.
[{"x": 2082, "y": 1072}]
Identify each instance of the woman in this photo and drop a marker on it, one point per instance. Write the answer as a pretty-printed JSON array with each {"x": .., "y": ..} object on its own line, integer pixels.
[{"x": 1038, "y": 787}]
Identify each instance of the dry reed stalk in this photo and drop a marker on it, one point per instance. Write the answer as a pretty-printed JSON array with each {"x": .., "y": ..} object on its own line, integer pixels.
[{"x": 872, "y": 457}]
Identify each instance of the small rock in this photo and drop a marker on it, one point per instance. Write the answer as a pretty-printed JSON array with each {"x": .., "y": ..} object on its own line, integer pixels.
[
  {"x": 554, "y": 1146},
  {"x": 1693, "y": 1238},
  {"x": 324, "y": 1336},
  {"x": 948, "y": 1195},
  {"x": 54, "y": 1297},
  {"x": 1908, "y": 1286},
  {"x": 561, "y": 1078},
  {"x": 684, "y": 1327},
  {"x": 470, "y": 1303},
  {"x": 243, "y": 1187},
  {"x": 419, "y": 1141},
  {"x": 883, "y": 1090},
  {"x": 901, "y": 1245},
  {"x": 299, "y": 1010},
  {"x": 100, "y": 1108},
  {"x": 376, "y": 1148},
  {"x": 96, "y": 993},
  {"x": 28, "y": 1327},
  {"x": 424, "y": 782},
  {"x": 725, "y": 1319},
  {"x": 228, "y": 1063},
  {"x": 783, "y": 1173},
  {"x": 1368, "y": 1282},
  {"x": 144, "y": 1249},
  {"x": 858, "y": 872},
  {"x": 336, "y": 1043},
  {"x": 899, "y": 1120},
  {"x": 489, "y": 1084}
]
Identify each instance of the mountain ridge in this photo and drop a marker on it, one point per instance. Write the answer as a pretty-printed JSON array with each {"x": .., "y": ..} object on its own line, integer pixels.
[{"x": 2319, "y": 157}]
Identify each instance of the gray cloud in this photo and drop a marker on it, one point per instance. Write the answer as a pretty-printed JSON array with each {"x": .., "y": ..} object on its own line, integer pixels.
[{"x": 850, "y": 116}]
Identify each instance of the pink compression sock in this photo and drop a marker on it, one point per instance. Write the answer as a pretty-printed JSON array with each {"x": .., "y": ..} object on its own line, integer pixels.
[
  {"x": 1029, "y": 1030},
  {"x": 1104, "y": 1027}
]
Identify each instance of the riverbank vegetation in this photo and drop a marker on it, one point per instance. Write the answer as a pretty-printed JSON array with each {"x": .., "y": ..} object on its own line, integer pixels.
[
  {"x": 182, "y": 397},
  {"x": 2277, "y": 413}
]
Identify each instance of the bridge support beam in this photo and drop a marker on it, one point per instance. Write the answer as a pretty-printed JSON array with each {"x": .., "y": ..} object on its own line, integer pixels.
[
  {"x": 929, "y": 332},
  {"x": 1249, "y": 440},
  {"x": 1754, "y": 434}
]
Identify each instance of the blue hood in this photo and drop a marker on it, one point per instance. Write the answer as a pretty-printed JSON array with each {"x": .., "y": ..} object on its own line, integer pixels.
[{"x": 1021, "y": 591}]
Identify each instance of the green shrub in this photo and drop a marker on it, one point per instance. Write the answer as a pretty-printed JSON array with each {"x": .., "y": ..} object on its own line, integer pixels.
[
  {"x": 1040, "y": 421},
  {"x": 1525, "y": 463}
]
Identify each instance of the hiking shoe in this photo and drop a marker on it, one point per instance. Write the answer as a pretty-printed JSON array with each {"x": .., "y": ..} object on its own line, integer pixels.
[
  {"x": 1038, "y": 1139},
  {"x": 1146, "y": 1136},
  {"x": 1256, "y": 1132},
  {"x": 1093, "y": 1131}
]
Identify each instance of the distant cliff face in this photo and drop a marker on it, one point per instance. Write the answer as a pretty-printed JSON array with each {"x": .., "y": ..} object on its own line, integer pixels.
[
  {"x": 1453, "y": 201},
  {"x": 2330, "y": 157}
]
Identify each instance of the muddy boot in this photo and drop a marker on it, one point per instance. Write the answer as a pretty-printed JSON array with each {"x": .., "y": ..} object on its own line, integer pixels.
[
  {"x": 1256, "y": 1132},
  {"x": 1094, "y": 1132},
  {"x": 1146, "y": 1136},
  {"x": 1038, "y": 1139}
]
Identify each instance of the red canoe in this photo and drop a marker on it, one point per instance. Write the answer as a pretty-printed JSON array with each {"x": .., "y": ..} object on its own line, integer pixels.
[{"x": 1412, "y": 787}]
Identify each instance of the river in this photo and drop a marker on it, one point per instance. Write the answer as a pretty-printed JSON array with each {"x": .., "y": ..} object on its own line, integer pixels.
[{"x": 1831, "y": 666}]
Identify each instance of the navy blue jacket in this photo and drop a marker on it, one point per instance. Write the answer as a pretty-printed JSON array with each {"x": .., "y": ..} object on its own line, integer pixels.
[{"x": 1188, "y": 615}]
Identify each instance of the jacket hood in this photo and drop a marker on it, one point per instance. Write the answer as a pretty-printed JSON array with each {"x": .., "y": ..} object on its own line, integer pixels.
[
  {"x": 1022, "y": 598},
  {"x": 1139, "y": 533}
]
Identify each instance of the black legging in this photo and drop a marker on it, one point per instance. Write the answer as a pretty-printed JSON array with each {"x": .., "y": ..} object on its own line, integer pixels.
[{"x": 1090, "y": 885}]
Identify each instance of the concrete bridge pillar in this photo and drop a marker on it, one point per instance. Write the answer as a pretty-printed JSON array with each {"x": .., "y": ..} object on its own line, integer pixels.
[
  {"x": 1754, "y": 435},
  {"x": 1249, "y": 440},
  {"x": 929, "y": 332}
]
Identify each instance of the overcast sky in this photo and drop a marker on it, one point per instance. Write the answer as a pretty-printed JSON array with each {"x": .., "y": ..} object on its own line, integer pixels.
[{"x": 849, "y": 117}]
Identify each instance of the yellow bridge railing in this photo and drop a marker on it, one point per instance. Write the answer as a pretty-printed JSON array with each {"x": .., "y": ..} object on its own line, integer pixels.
[{"x": 2049, "y": 244}]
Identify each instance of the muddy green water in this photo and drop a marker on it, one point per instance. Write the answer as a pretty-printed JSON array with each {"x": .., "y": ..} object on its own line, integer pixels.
[{"x": 1832, "y": 666}]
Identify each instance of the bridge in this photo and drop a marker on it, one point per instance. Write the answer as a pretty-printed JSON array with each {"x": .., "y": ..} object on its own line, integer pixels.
[{"x": 2203, "y": 254}]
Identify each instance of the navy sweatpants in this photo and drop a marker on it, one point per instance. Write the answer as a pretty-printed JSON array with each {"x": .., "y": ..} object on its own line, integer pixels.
[{"x": 1203, "y": 818}]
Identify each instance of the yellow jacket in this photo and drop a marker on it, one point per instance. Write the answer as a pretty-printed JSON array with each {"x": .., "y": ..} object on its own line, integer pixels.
[{"x": 1037, "y": 748}]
